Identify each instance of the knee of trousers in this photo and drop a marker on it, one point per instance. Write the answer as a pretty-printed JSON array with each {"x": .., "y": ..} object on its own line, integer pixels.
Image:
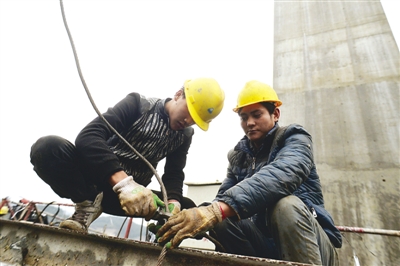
[
  {"x": 222, "y": 228},
  {"x": 287, "y": 212},
  {"x": 48, "y": 147}
]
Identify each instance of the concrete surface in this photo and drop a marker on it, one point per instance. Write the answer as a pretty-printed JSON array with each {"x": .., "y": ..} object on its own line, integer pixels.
[
  {"x": 24, "y": 243},
  {"x": 336, "y": 70}
]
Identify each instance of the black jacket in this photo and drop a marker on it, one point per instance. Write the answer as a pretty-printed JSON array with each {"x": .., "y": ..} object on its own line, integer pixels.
[{"x": 144, "y": 123}]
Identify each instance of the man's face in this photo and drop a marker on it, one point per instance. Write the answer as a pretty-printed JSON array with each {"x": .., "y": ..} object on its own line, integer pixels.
[
  {"x": 179, "y": 116},
  {"x": 256, "y": 122}
]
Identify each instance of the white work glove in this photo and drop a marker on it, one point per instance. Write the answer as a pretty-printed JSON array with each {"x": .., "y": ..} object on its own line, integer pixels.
[{"x": 136, "y": 200}]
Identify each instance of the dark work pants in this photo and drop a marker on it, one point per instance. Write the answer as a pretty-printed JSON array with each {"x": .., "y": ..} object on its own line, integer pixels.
[
  {"x": 296, "y": 236},
  {"x": 57, "y": 163}
]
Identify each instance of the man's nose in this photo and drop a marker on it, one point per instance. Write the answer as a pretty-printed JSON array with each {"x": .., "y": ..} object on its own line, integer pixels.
[{"x": 250, "y": 122}]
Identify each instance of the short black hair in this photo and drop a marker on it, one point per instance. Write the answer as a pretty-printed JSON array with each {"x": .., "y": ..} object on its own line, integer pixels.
[
  {"x": 270, "y": 106},
  {"x": 183, "y": 92}
]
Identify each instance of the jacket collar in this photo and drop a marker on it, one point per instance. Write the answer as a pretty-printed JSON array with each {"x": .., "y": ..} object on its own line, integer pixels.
[{"x": 160, "y": 107}]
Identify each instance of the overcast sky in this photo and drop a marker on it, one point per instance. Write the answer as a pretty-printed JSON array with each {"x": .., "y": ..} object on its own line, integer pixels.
[{"x": 150, "y": 47}]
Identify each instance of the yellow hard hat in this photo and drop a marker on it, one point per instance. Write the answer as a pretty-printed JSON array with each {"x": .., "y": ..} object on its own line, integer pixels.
[
  {"x": 205, "y": 100},
  {"x": 3, "y": 210},
  {"x": 255, "y": 92}
]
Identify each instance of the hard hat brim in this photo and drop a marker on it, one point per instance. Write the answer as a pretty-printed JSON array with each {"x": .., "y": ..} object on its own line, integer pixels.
[
  {"x": 196, "y": 118},
  {"x": 236, "y": 109}
]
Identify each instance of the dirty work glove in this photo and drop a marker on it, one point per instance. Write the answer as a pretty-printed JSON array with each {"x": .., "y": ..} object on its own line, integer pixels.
[
  {"x": 136, "y": 200},
  {"x": 174, "y": 207},
  {"x": 189, "y": 223}
]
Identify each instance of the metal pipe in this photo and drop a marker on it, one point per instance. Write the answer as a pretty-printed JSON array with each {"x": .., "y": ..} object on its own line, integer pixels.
[
  {"x": 369, "y": 231},
  {"x": 128, "y": 229}
]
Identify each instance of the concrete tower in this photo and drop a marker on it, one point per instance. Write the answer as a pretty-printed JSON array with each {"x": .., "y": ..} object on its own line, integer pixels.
[{"x": 336, "y": 70}]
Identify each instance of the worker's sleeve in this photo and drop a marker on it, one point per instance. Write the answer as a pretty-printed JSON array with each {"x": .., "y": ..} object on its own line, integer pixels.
[
  {"x": 228, "y": 182},
  {"x": 288, "y": 170},
  {"x": 91, "y": 142},
  {"x": 174, "y": 176},
  {"x": 230, "y": 179}
]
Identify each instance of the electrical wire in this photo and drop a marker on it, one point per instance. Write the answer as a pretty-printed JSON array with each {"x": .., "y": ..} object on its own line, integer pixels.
[
  {"x": 40, "y": 214},
  {"x": 164, "y": 193},
  {"x": 165, "y": 198},
  {"x": 55, "y": 215},
  {"x": 120, "y": 229}
]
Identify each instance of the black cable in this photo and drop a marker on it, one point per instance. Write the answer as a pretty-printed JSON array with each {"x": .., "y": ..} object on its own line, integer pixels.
[
  {"x": 216, "y": 243},
  {"x": 40, "y": 214},
  {"x": 54, "y": 216},
  {"x": 122, "y": 226},
  {"x": 165, "y": 198}
]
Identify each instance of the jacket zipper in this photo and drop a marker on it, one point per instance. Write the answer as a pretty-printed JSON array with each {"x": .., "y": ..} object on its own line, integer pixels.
[
  {"x": 253, "y": 164},
  {"x": 314, "y": 213}
]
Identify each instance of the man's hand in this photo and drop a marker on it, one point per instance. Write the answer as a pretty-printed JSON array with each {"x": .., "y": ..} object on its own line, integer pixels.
[
  {"x": 136, "y": 200},
  {"x": 174, "y": 207},
  {"x": 189, "y": 223}
]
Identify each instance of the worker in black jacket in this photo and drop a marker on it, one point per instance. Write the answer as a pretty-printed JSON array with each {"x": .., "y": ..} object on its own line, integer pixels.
[
  {"x": 270, "y": 204},
  {"x": 101, "y": 173}
]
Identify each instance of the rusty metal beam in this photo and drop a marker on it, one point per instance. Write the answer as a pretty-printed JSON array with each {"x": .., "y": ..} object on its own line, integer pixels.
[{"x": 25, "y": 243}]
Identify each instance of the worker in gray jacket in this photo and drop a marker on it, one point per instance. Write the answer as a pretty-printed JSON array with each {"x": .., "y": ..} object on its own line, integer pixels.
[
  {"x": 270, "y": 204},
  {"x": 101, "y": 173}
]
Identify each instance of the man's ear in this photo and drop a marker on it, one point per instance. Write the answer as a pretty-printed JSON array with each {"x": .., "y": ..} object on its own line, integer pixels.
[
  {"x": 178, "y": 94},
  {"x": 276, "y": 114}
]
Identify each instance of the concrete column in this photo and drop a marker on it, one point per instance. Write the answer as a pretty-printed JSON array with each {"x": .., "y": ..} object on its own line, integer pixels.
[{"x": 336, "y": 70}]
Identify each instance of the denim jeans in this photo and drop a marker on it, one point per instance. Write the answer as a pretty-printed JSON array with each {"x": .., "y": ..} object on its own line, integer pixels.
[
  {"x": 57, "y": 163},
  {"x": 294, "y": 235}
]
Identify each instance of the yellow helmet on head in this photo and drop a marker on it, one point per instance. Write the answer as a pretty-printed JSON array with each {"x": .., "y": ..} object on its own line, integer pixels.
[
  {"x": 3, "y": 210},
  {"x": 255, "y": 92},
  {"x": 205, "y": 100}
]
